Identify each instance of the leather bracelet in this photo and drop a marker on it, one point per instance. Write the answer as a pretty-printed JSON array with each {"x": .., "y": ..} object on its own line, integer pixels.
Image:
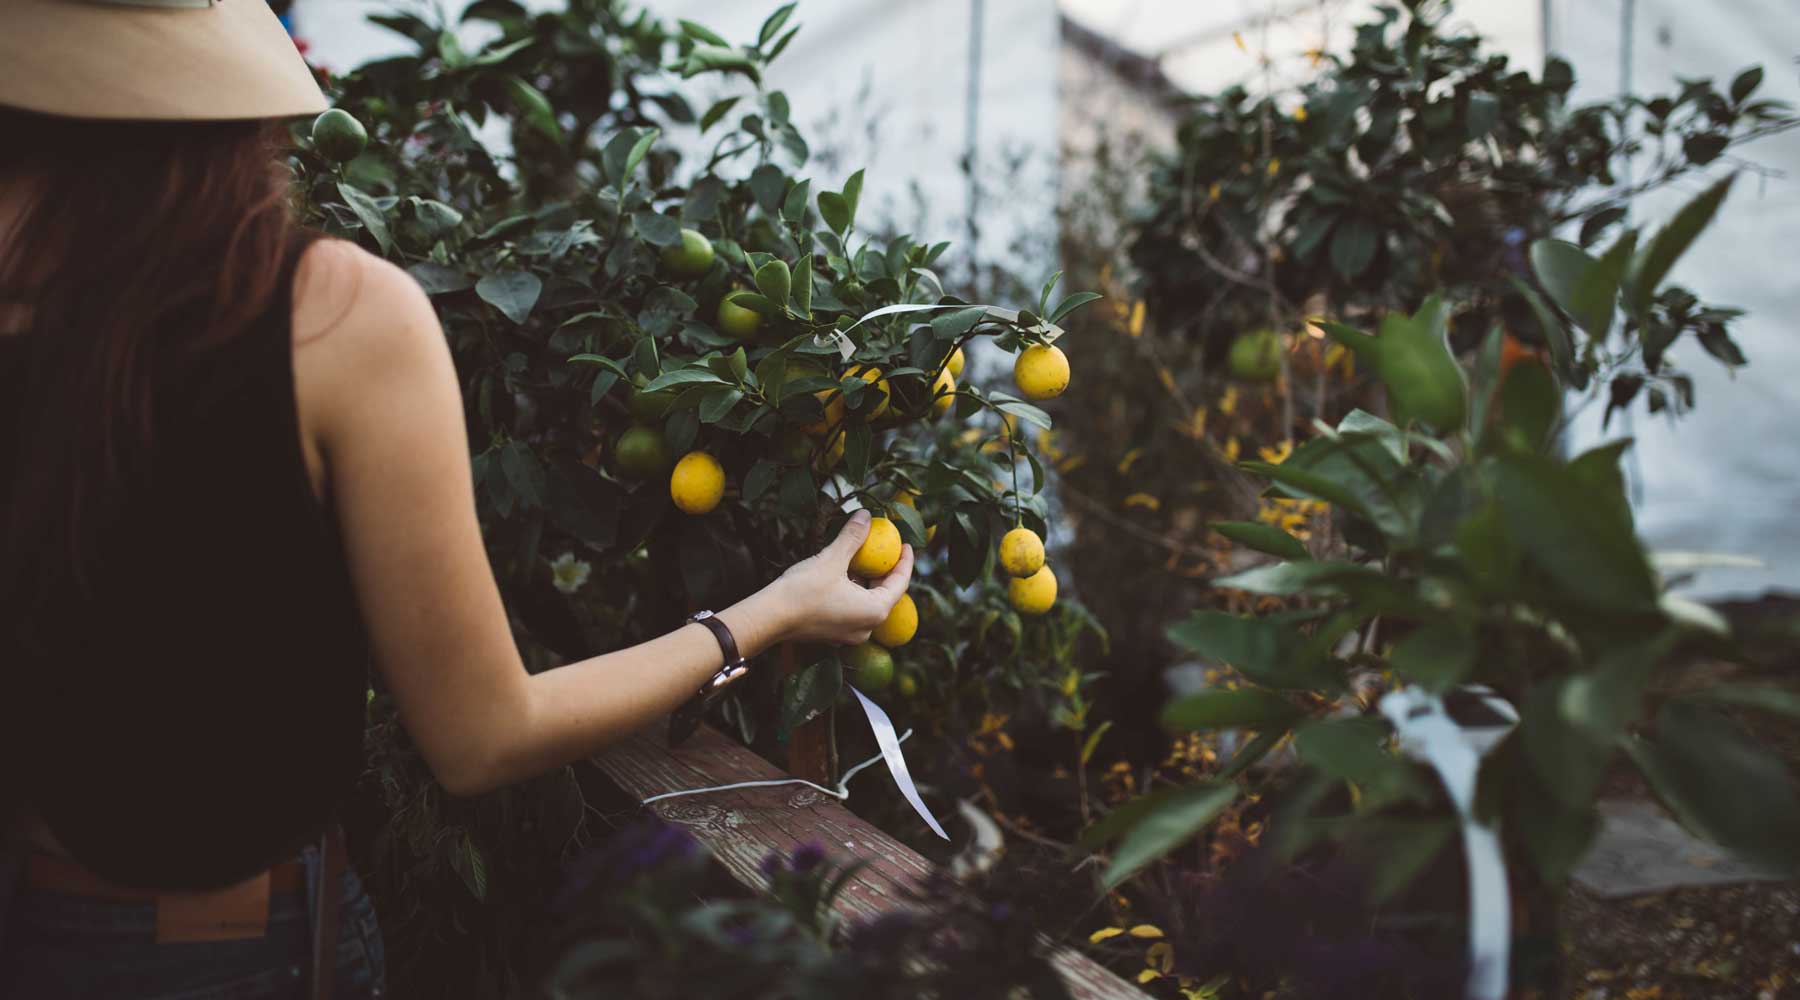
[{"x": 687, "y": 718}]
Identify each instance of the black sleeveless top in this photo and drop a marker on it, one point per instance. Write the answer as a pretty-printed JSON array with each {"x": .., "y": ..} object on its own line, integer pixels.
[{"x": 199, "y": 715}]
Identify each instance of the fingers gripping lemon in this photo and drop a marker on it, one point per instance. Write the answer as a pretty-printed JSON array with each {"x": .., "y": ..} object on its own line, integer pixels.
[
  {"x": 1041, "y": 371},
  {"x": 1034, "y": 594},
  {"x": 698, "y": 483},
  {"x": 1021, "y": 552},
  {"x": 880, "y": 551},
  {"x": 901, "y": 624}
]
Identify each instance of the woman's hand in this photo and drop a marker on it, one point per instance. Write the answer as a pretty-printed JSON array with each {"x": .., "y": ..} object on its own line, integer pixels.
[{"x": 823, "y": 604}]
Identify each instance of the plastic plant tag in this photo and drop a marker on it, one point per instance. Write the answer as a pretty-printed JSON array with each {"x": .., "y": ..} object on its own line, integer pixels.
[{"x": 1428, "y": 733}]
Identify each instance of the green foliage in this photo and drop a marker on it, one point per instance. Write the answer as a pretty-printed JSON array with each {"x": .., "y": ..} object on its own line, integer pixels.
[
  {"x": 531, "y": 190},
  {"x": 636, "y": 923},
  {"x": 1475, "y": 554},
  {"x": 1418, "y": 164}
]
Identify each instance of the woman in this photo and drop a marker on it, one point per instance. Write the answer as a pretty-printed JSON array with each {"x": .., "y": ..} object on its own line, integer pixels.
[{"x": 234, "y": 475}]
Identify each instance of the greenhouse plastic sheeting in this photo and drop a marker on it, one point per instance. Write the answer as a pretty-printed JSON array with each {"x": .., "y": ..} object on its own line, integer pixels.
[{"x": 1726, "y": 477}]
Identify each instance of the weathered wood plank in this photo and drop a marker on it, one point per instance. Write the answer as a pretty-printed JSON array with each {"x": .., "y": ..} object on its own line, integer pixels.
[{"x": 743, "y": 826}]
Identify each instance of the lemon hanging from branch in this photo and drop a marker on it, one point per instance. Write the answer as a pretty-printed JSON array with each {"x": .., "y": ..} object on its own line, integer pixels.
[
  {"x": 1041, "y": 372},
  {"x": 1034, "y": 594},
  {"x": 698, "y": 483},
  {"x": 1021, "y": 552}
]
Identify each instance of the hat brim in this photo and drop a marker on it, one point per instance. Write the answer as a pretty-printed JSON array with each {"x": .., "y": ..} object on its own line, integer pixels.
[{"x": 232, "y": 60}]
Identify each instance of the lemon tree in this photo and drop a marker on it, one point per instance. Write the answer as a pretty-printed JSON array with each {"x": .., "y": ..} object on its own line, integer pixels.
[{"x": 680, "y": 375}]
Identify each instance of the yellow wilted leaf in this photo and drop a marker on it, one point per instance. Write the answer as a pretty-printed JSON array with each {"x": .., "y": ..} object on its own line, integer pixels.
[
  {"x": 1167, "y": 377},
  {"x": 1231, "y": 450},
  {"x": 1300, "y": 113},
  {"x": 1228, "y": 402},
  {"x": 1147, "y": 975},
  {"x": 1162, "y": 956},
  {"x": 1136, "y": 326},
  {"x": 1104, "y": 933},
  {"x": 1274, "y": 166},
  {"x": 1130, "y": 459},
  {"x": 1069, "y": 465},
  {"x": 1212, "y": 193},
  {"x": 1146, "y": 931},
  {"x": 1144, "y": 500},
  {"x": 1238, "y": 37},
  {"x": 1277, "y": 454}
]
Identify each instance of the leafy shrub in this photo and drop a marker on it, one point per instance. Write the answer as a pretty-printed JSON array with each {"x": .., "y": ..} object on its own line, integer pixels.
[
  {"x": 526, "y": 187},
  {"x": 636, "y": 925},
  {"x": 1474, "y": 554}
]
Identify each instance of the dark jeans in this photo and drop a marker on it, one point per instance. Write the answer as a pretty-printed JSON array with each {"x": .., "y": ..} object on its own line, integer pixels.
[{"x": 61, "y": 947}]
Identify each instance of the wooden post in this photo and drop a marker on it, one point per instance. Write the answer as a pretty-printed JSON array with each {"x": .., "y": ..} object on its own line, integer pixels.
[{"x": 809, "y": 750}]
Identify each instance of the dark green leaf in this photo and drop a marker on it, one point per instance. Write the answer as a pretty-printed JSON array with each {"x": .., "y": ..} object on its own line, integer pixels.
[
  {"x": 1262, "y": 538},
  {"x": 835, "y": 211},
  {"x": 1353, "y": 247},
  {"x": 511, "y": 292},
  {"x": 535, "y": 107},
  {"x": 1171, "y": 823},
  {"x": 656, "y": 228},
  {"x": 1244, "y": 708},
  {"x": 1653, "y": 263},
  {"x": 1577, "y": 538},
  {"x": 1265, "y": 651},
  {"x": 1723, "y": 786},
  {"x": 775, "y": 281},
  {"x": 369, "y": 214},
  {"x": 1436, "y": 656}
]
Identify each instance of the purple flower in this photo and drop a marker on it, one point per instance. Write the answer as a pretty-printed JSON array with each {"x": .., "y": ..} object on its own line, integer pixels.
[{"x": 808, "y": 856}]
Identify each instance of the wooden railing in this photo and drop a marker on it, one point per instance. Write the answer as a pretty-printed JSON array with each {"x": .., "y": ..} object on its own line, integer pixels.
[{"x": 743, "y": 826}]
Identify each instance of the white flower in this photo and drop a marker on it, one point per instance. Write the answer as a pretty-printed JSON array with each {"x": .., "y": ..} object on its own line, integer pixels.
[{"x": 569, "y": 573}]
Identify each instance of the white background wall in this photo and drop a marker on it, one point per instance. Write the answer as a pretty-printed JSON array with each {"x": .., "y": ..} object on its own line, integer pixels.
[{"x": 1725, "y": 478}]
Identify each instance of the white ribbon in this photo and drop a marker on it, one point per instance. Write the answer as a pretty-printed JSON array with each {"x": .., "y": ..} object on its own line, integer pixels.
[
  {"x": 1428, "y": 733},
  {"x": 885, "y": 737},
  {"x": 889, "y": 743}
]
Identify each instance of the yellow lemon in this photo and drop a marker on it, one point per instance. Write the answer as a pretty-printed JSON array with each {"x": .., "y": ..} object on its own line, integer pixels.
[
  {"x": 900, "y": 625},
  {"x": 881, "y": 385},
  {"x": 943, "y": 393},
  {"x": 880, "y": 552},
  {"x": 1034, "y": 594},
  {"x": 833, "y": 401},
  {"x": 1042, "y": 372},
  {"x": 1021, "y": 552},
  {"x": 955, "y": 365},
  {"x": 698, "y": 482}
]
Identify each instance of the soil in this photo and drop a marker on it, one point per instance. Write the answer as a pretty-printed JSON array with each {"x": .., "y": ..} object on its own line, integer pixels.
[{"x": 1722, "y": 942}]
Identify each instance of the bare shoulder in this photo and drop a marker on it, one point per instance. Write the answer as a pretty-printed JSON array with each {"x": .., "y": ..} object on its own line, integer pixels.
[
  {"x": 365, "y": 336},
  {"x": 341, "y": 288}
]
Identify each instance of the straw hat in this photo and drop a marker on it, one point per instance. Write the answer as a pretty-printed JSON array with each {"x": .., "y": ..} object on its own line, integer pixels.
[{"x": 166, "y": 60}]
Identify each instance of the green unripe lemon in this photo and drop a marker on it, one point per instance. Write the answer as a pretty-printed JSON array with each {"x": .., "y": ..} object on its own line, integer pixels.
[
  {"x": 737, "y": 321},
  {"x": 338, "y": 136},
  {"x": 691, "y": 257},
  {"x": 871, "y": 667},
  {"x": 642, "y": 453},
  {"x": 1256, "y": 357}
]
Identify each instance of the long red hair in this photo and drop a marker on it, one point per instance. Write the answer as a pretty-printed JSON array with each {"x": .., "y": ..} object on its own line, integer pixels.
[{"x": 140, "y": 243}]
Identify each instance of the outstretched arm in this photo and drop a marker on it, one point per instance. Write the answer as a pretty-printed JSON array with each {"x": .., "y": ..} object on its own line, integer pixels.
[{"x": 379, "y": 397}]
